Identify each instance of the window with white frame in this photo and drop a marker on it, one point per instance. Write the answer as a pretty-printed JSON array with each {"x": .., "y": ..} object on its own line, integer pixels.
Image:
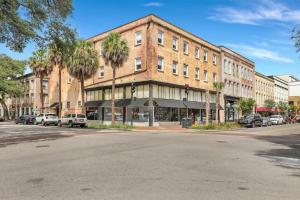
[
  {"x": 214, "y": 59},
  {"x": 185, "y": 47},
  {"x": 138, "y": 64},
  {"x": 185, "y": 70},
  {"x": 205, "y": 76},
  {"x": 160, "y": 63},
  {"x": 215, "y": 77},
  {"x": 175, "y": 67},
  {"x": 138, "y": 38},
  {"x": 205, "y": 56},
  {"x": 101, "y": 71},
  {"x": 197, "y": 52},
  {"x": 160, "y": 37},
  {"x": 197, "y": 73},
  {"x": 225, "y": 66},
  {"x": 175, "y": 43},
  {"x": 69, "y": 79}
]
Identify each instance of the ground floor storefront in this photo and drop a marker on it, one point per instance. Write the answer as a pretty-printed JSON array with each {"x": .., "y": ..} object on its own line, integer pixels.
[{"x": 231, "y": 111}]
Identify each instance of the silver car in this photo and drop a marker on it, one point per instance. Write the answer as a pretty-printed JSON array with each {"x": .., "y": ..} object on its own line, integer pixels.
[
  {"x": 267, "y": 121},
  {"x": 276, "y": 119},
  {"x": 73, "y": 120}
]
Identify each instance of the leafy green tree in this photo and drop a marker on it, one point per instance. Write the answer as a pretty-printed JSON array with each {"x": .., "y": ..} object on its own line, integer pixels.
[
  {"x": 270, "y": 103},
  {"x": 114, "y": 51},
  {"x": 83, "y": 64},
  {"x": 283, "y": 106},
  {"x": 218, "y": 86},
  {"x": 246, "y": 105},
  {"x": 292, "y": 108},
  {"x": 41, "y": 67},
  {"x": 22, "y": 21},
  {"x": 10, "y": 86}
]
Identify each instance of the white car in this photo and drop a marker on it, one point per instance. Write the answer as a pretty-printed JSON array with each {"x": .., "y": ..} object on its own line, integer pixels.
[
  {"x": 73, "y": 120},
  {"x": 46, "y": 119},
  {"x": 276, "y": 119}
]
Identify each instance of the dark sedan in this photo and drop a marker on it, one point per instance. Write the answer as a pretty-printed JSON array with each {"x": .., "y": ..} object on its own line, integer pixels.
[
  {"x": 25, "y": 119},
  {"x": 252, "y": 120}
]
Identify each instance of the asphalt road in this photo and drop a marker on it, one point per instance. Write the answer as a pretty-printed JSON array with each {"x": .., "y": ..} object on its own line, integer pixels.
[{"x": 52, "y": 163}]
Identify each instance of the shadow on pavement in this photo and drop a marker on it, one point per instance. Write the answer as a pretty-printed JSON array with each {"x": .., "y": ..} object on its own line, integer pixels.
[{"x": 288, "y": 157}]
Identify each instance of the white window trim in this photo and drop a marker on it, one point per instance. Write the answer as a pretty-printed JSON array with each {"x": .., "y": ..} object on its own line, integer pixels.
[
  {"x": 187, "y": 70},
  {"x": 175, "y": 38},
  {"x": 136, "y": 40},
  {"x": 205, "y": 76},
  {"x": 187, "y": 47},
  {"x": 176, "y": 67},
  {"x": 162, "y": 64},
  {"x": 197, "y": 74},
  {"x": 100, "y": 76},
  {"x": 197, "y": 52},
  {"x": 162, "y": 37},
  {"x": 135, "y": 64},
  {"x": 205, "y": 56},
  {"x": 214, "y": 59}
]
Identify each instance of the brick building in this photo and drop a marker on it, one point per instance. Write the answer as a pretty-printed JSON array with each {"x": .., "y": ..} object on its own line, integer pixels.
[
  {"x": 162, "y": 59},
  {"x": 264, "y": 90}
]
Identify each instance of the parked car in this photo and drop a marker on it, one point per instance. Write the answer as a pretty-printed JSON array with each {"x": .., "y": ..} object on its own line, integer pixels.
[
  {"x": 252, "y": 120},
  {"x": 73, "y": 120},
  {"x": 25, "y": 119},
  {"x": 297, "y": 118},
  {"x": 277, "y": 119},
  {"x": 46, "y": 119},
  {"x": 266, "y": 121}
]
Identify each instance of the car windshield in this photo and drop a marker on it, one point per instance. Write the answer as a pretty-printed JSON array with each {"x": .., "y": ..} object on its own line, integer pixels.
[
  {"x": 54, "y": 115},
  {"x": 80, "y": 116},
  {"x": 274, "y": 116},
  {"x": 249, "y": 116}
]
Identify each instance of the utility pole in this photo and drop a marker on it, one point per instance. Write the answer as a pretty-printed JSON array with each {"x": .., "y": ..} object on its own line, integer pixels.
[
  {"x": 186, "y": 90},
  {"x": 132, "y": 92}
]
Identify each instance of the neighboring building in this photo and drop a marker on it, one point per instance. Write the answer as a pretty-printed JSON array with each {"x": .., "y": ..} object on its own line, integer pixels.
[
  {"x": 237, "y": 73},
  {"x": 162, "y": 59},
  {"x": 281, "y": 89},
  {"x": 29, "y": 103},
  {"x": 264, "y": 89},
  {"x": 295, "y": 100},
  {"x": 294, "y": 84}
]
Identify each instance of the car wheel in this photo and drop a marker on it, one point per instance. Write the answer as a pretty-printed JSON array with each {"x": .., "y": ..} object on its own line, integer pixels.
[
  {"x": 70, "y": 124},
  {"x": 59, "y": 124},
  {"x": 82, "y": 125},
  {"x": 43, "y": 123}
]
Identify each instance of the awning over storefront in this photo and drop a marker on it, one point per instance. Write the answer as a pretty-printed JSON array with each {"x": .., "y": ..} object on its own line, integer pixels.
[
  {"x": 265, "y": 109},
  {"x": 93, "y": 103},
  {"x": 169, "y": 103}
]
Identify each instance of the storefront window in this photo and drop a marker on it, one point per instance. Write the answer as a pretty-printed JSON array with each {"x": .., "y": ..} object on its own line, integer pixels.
[
  {"x": 118, "y": 114},
  {"x": 166, "y": 114}
]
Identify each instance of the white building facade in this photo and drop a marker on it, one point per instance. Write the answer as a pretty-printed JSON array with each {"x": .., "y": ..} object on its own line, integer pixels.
[{"x": 281, "y": 89}]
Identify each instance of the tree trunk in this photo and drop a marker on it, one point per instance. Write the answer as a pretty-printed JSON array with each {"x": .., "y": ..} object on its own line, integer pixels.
[
  {"x": 59, "y": 91},
  {"x": 113, "y": 97},
  {"x": 207, "y": 107},
  {"x": 82, "y": 95},
  {"x": 217, "y": 107},
  {"x": 41, "y": 94},
  {"x": 5, "y": 110}
]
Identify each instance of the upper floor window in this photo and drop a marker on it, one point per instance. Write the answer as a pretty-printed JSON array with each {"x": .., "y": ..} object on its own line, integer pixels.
[
  {"x": 160, "y": 63},
  {"x": 101, "y": 71},
  {"x": 138, "y": 64},
  {"x": 205, "y": 56},
  {"x": 215, "y": 77},
  {"x": 197, "y": 52},
  {"x": 160, "y": 37},
  {"x": 138, "y": 38},
  {"x": 205, "y": 76},
  {"x": 197, "y": 74},
  {"x": 185, "y": 70},
  {"x": 69, "y": 79},
  {"x": 175, "y": 43},
  {"x": 214, "y": 59},
  {"x": 175, "y": 67},
  {"x": 185, "y": 47}
]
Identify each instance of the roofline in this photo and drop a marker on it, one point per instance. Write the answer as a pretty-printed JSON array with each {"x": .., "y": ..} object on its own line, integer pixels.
[
  {"x": 153, "y": 15},
  {"x": 264, "y": 76},
  {"x": 221, "y": 46},
  {"x": 26, "y": 75},
  {"x": 280, "y": 79},
  {"x": 289, "y": 75}
]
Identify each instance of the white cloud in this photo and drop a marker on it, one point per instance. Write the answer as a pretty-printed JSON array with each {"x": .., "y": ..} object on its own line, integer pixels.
[
  {"x": 251, "y": 51},
  {"x": 153, "y": 4},
  {"x": 265, "y": 10}
]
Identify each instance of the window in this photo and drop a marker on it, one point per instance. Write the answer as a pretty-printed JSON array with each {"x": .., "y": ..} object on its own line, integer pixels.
[
  {"x": 214, "y": 59},
  {"x": 69, "y": 79},
  {"x": 101, "y": 71},
  {"x": 68, "y": 104},
  {"x": 175, "y": 43},
  {"x": 160, "y": 37},
  {"x": 197, "y": 52},
  {"x": 197, "y": 74},
  {"x": 185, "y": 48},
  {"x": 185, "y": 70},
  {"x": 160, "y": 64},
  {"x": 138, "y": 38},
  {"x": 205, "y": 56},
  {"x": 138, "y": 64},
  {"x": 175, "y": 67},
  {"x": 215, "y": 77},
  {"x": 205, "y": 76},
  {"x": 79, "y": 103}
]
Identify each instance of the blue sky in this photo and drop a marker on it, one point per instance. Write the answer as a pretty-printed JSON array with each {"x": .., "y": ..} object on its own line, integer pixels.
[{"x": 258, "y": 29}]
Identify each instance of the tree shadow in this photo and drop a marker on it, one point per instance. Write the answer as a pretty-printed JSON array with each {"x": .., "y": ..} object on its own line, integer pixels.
[{"x": 288, "y": 157}]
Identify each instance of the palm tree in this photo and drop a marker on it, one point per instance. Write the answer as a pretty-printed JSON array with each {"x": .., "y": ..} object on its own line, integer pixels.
[
  {"x": 218, "y": 86},
  {"x": 83, "y": 64},
  {"x": 41, "y": 67},
  {"x": 114, "y": 51}
]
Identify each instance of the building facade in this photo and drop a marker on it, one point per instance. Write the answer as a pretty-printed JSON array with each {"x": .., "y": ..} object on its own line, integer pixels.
[
  {"x": 163, "y": 59},
  {"x": 281, "y": 89},
  {"x": 264, "y": 90},
  {"x": 237, "y": 74}
]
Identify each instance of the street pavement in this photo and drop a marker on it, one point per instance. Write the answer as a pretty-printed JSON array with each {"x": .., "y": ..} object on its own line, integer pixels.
[{"x": 73, "y": 163}]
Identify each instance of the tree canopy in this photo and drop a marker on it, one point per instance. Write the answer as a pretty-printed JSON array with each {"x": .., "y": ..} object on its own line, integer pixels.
[
  {"x": 246, "y": 105},
  {"x": 22, "y": 21},
  {"x": 270, "y": 103}
]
